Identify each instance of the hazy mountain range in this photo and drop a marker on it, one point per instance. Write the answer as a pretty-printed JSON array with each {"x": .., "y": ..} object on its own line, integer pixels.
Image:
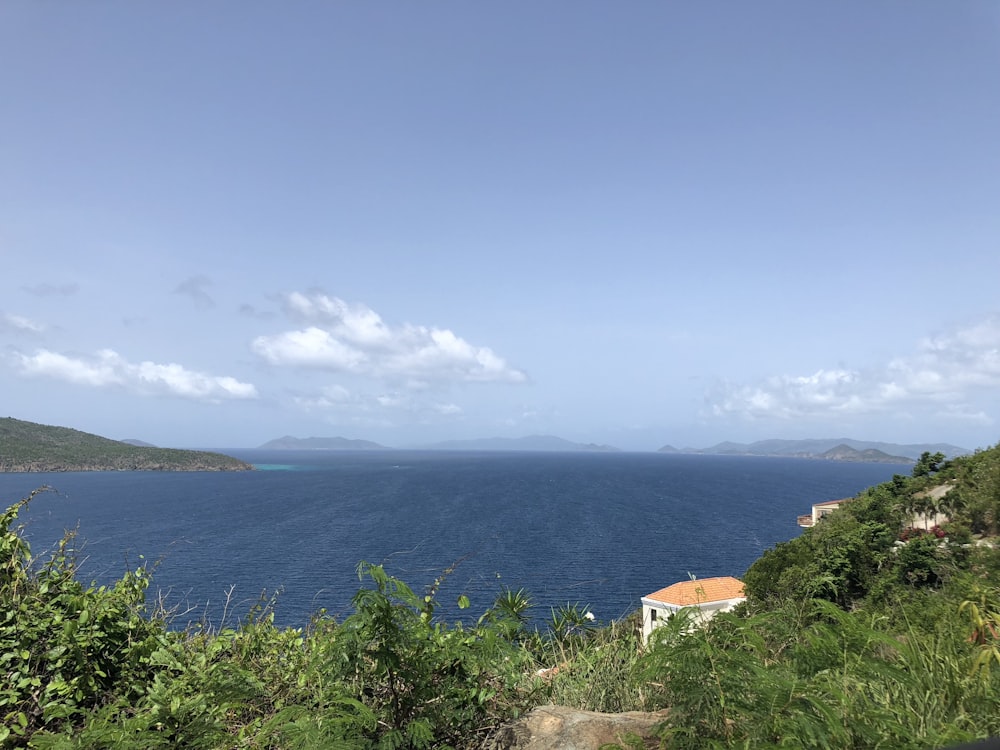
[
  {"x": 830, "y": 448},
  {"x": 26, "y": 446},
  {"x": 833, "y": 449},
  {"x": 528, "y": 443}
]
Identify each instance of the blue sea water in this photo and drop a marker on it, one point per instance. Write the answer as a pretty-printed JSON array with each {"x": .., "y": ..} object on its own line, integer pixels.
[{"x": 596, "y": 529}]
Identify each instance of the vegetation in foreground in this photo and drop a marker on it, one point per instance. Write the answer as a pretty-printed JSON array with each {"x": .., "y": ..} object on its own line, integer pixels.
[
  {"x": 863, "y": 632},
  {"x": 29, "y": 447}
]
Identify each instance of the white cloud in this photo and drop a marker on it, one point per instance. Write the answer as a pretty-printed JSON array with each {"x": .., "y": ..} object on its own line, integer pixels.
[
  {"x": 98, "y": 371},
  {"x": 945, "y": 372},
  {"x": 345, "y": 403},
  {"x": 788, "y": 396},
  {"x": 108, "y": 368},
  {"x": 354, "y": 339},
  {"x": 355, "y": 323},
  {"x": 310, "y": 347},
  {"x": 20, "y": 324}
]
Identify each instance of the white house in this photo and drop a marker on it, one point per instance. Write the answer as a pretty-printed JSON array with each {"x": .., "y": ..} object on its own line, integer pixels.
[
  {"x": 709, "y": 595},
  {"x": 820, "y": 510}
]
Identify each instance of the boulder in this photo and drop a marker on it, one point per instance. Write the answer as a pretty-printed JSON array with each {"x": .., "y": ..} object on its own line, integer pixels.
[{"x": 562, "y": 728}]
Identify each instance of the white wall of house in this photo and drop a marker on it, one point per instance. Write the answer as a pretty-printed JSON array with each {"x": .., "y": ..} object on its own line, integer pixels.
[
  {"x": 655, "y": 613},
  {"x": 821, "y": 510}
]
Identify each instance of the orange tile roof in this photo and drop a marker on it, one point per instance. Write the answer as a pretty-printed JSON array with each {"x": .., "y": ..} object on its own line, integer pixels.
[{"x": 700, "y": 591}]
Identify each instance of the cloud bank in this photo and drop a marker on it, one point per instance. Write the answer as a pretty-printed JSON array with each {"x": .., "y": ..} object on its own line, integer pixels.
[
  {"x": 109, "y": 369},
  {"x": 341, "y": 337},
  {"x": 375, "y": 407},
  {"x": 945, "y": 373}
]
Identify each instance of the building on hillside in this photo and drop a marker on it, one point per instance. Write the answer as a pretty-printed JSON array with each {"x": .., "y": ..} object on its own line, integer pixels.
[
  {"x": 924, "y": 519},
  {"x": 708, "y": 595},
  {"x": 820, "y": 510}
]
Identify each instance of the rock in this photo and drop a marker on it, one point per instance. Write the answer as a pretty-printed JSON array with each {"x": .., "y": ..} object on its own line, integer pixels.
[{"x": 562, "y": 728}]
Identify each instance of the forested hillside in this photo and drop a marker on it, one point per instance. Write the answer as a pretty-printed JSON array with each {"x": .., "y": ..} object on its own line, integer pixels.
[
  {"x": 27, "y": 446},
  {"x": 874, "y": 629}
]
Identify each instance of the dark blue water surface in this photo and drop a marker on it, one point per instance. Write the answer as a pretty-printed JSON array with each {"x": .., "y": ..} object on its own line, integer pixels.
[{"x": 595, "y": 529}]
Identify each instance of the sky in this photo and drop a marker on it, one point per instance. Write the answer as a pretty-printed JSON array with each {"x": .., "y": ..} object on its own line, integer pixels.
[{"x": 634, "y": 224}]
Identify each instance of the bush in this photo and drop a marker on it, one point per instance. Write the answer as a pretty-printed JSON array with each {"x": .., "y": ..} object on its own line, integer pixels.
[{"x": 66, "y": 648}]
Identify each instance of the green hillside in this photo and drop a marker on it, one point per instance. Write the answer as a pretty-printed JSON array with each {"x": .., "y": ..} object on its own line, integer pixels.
[{"x": 29, "y": 447}]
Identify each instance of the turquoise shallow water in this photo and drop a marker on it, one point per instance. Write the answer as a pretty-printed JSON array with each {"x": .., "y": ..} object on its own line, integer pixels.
[{"x": 594, "y": 529}]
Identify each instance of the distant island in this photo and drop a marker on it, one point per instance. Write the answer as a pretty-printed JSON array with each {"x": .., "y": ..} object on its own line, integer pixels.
[
  {"x": 289, "y": 443},
  {"x": 31, "y": 447},
  {"x": 868, "y": 455},
  {"x": 829, "y": 449}
]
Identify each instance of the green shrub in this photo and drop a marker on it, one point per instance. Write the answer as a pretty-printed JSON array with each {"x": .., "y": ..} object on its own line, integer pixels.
[{"x": 66, "y": 648}]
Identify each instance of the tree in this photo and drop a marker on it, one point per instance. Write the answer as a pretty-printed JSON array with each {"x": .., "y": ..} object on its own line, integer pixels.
[{"x": 928, "y": 463}]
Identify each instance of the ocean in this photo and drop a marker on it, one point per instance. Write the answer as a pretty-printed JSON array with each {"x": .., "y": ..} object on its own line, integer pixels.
[{"x": 595, "y": 529}]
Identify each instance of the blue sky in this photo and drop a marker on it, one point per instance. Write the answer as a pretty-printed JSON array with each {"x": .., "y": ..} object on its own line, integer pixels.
[{"x": 633, "y": 224}]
